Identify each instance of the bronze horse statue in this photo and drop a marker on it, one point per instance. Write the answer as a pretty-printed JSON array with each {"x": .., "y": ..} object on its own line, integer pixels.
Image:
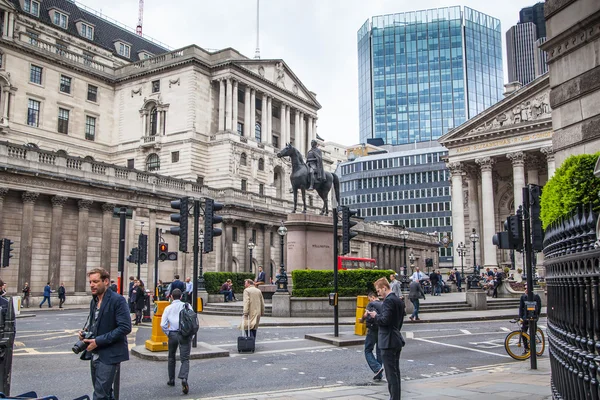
[{"x": 300, "y": 179}]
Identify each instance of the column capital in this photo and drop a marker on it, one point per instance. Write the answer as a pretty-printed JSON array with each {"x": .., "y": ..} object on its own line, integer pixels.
[
  {"x": 456, "y": 168},
  {"x": 250, "y": 224},
  {"x": 84, "y": 204},
  {"x": 517, "y": 158},
  {"x": 58, "y": 201},
  {"x": 548, "y": 152},
  {"x": 485, "y": 163},
  {"x": 534, "y": 162},
  {"x": 108, "y": 207},
  {"x": 29, "y": 197},
  {"x": 268, "y": 227},
  {"x": 3, "y": 192}
]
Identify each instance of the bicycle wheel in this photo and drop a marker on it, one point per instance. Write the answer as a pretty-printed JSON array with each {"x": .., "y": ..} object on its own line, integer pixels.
[
  {"x": 540, "y": 342},
  {"x": 515, "y": 345}
]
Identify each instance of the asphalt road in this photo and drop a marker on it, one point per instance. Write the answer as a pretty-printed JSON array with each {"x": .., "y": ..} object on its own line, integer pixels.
[{"x": 43, "y": 360}]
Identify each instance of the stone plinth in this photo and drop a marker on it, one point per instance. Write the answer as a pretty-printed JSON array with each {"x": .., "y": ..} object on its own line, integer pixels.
[
  {"x": 477, "y": 299},
  {"x": 281, "y": 305},
  {"x": 309, "y": 242}
]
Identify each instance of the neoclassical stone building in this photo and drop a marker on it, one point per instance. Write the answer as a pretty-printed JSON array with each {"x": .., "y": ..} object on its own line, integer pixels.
[
  {"x": 491, "y": 158},
  {"x": 94, "y": 116}
]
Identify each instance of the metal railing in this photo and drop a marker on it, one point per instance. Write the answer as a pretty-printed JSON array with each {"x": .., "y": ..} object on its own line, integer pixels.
[{"x": 572, "y": 265}]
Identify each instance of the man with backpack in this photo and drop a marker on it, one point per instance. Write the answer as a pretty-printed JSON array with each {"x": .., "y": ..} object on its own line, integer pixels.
[{"x": 171, "y": 324}]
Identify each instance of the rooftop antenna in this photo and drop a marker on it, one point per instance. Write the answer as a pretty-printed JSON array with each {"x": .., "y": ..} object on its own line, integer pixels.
[
  {"x": 257, "y": 52},
  {"x": 138, "y": 28}
]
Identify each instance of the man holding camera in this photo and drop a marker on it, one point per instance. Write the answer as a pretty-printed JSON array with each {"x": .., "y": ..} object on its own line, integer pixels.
[{"x": 106, "y": 333}]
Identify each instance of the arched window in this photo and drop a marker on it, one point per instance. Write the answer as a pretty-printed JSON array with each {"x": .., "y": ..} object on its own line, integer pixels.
[
  {"x": 257, "y": 132},
  {"x": 61, "y": 153},
  {"x": 152, "y": 162},
  {"x": 243, "y": 160},
  {"x": 153, "y": 122},
  {"x": 32, "y": 145},
  {"x": 261, "y": 164},
  {"x": 88, "y": 158}
]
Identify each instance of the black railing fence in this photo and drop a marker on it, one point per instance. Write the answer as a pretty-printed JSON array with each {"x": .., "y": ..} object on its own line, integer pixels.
[{"x": 572, "y": 264}]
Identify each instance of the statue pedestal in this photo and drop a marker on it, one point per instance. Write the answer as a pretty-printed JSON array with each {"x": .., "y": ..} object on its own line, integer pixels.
[{"x": 309, "y": 242}]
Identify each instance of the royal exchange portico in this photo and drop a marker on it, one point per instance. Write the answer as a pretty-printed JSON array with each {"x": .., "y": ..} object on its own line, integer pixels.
[{"x": 491, "y": 158}]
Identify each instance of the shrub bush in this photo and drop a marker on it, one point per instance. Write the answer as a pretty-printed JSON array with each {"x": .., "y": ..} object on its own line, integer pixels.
[
  {"x": 572, "y": 185},
  {"x": 214, "y": 280},
  {"x": 310, "y": 283}
]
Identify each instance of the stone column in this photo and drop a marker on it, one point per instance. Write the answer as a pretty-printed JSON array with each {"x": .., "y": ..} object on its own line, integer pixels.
[
  {"x": 228, "y": 105},
  {"x": 82, "y": 244},
  {"x": 234, "y": 106},
  {"x": 386, "y": 250},
  {"x": 3, "y": 193},
  {"x": 106, "y": 246},
  {"x": 549, "y": 153},
  {"x": 472, "y": 182},
  {"x": 297, "y": 139},
  {"x": 489, "y": 222},
  {"x": 56, "y": 240},
  {"x": 518, "y": 162},
  {"x": 221, "y": 125},
  {"x": 246, "y": 267},
  {"x": 264, "y": 120},
  {"x": 252, "y": 114},
  {"x": 310, "y": 131},
  {"x": 247, "y": 111},
  {"x": 381, "y": 255},
  {"x": 25, "y": 248},
  {"x": 270, "y": 120},
  {"x": 228, "y": 245},
  {"x": 288, "y": 125},
  {"x": 458, "y": 210},
  {"x": 533, "y": 170},
  {"x": 267, "y": 229}
]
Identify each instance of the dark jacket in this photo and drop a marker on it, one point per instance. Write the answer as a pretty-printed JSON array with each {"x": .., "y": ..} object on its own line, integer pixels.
[
  {"x": 177, "y": 284},
  {"x": 390, "y": 322},
  {"x": 140, "y": 294},
  {"x": 373, "y": 306},
  {"x": 261, "y": 277},
  {"x": 415, "y": 291},
  {"x": 61, "y": 292},
  {"x": 111, "y": 328},
  {"x": 522, "y": 308},
  {"x": 435, "y": 278}
]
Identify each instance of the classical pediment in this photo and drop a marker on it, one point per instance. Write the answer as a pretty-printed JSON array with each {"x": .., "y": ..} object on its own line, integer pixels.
[
  {"x": 529, "y": 105},
  {"x": 277, "y": 72}
]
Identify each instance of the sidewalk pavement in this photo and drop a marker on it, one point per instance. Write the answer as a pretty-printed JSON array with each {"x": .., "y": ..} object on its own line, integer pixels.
[{"x": 507, "y": 381}]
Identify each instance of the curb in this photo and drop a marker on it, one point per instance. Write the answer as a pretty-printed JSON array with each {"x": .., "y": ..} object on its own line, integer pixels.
[{"x": 203, "y": 351}]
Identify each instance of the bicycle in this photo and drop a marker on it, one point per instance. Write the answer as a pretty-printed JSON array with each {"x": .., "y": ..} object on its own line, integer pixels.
[{"x": 515, "y": 346}]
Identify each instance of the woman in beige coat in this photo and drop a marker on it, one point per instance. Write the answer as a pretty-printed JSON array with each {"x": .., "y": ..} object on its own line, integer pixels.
[{"x": 254, "y": 307}]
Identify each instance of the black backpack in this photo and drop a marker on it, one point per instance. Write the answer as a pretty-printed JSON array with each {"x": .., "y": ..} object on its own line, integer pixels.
[{"x": 188, "y": 321}]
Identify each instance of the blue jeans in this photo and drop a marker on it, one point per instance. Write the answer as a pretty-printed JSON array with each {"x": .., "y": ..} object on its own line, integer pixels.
[
  {"x": 416, "y": 304},
  {"x": 438, "y": 289},
  {"x": 228, "y": 293},
  {"x": 370, "y": 342}
]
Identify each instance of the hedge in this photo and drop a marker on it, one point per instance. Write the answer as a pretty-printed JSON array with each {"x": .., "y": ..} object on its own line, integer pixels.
[
  {"x": 214, "y": 280},
  {"x": 311, "y": 283},
  {"x": 572, "y": 185}
]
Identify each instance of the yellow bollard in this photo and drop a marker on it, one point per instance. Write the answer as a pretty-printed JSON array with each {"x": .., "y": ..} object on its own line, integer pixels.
[
  {"x": 158, "y": 340},
  {"x": 360, "y": 328}
]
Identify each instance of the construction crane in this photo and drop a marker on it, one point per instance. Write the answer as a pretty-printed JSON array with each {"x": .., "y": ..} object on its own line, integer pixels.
[{"x": 138, "y": 29}]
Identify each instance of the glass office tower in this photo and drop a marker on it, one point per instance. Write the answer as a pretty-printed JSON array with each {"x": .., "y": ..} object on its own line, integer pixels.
[{"x": 423, "y": 73}]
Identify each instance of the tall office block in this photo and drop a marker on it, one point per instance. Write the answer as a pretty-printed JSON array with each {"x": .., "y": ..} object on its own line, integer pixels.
[{"x": 423, "y": 73}]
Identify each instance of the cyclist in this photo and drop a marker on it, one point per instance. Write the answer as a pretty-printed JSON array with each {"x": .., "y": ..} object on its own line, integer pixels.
[{"x": 523, "y": 314}]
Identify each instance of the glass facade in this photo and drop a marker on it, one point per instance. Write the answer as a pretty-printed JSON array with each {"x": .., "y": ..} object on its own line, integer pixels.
[{"x": 423, "y": 73}]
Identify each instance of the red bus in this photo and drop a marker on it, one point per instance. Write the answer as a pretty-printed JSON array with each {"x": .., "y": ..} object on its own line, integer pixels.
[{"x": 355, "y": 263}]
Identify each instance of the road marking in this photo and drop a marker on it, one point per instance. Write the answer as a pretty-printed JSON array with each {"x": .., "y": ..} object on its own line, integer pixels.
[
  {"x": 409, "y": 335},
  {"x": 287, "y": 350},
  {"x": 466, "y": 332},
  {"x": 506, "y": 329},
  {"x": 34, "y": 352},
  {"x": 464, "y": 348}
]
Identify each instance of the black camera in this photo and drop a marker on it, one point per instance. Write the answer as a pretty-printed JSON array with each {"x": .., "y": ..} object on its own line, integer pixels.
[{"x": 81, "y": 345}]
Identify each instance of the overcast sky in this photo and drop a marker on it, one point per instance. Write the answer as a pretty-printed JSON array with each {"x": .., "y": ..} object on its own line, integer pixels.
[{"x": 316, "y": 38}]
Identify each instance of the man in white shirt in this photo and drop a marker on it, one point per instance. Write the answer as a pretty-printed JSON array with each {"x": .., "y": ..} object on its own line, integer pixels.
[
  {"x": 189, "y": 289},
  {"x": 170, "y": 326},
  {"x": 417, "y": 275}
]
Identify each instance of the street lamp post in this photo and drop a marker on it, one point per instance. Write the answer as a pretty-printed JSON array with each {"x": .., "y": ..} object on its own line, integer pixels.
[
  {"x": 251, "y": 246},
  {"x": 461, "y": 249},
  {"x": 282, "y": 281},
  {"x": 201, "y": 275},
  {"x": 474, "y": 280},
  {"x": 411, "y": 257},
  {"x": 404, "y": 279}
]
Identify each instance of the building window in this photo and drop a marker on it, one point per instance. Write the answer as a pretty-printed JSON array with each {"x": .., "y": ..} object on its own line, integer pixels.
[
  {"x": 131, "y": 163},
  {"x": 63, "y": 121},
  {"x": 275, "y": 141},
  {"x": 60, "y": 19},
  {"x": 152, "y": 162},
  {"x": 155, "y": 86},
  {"x": 261, "y": 189},
  {"x": 35, "y": 74},
  {"x": 234, "y": 235},
  {"x": 33, "y": 38},
  {"x": 87, "y": 31},
  {"x": 244, "y": 185},
  {"x": 31, "y": 7},
  {"x": 65, "y": 84},
  {"x": 61, "y": 48},
  {"x": 257, "y": 132},
  {"x": 174, "y": 156},
  {"x": 33, "y": 113},
  {"x": 124, "y": 50},
  {"x": 261, "y": 164},
  {"x": 153, "y": 121},
  {"x": 92, "y": 94},
  {"x": 240, "y": 128},
  {"x": 90, "y": 128},
  {"x": 88, "y": 58},
  {"x": 243, "y": 160}
]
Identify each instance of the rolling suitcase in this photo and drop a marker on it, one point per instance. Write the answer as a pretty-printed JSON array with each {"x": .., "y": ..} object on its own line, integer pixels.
[{"x": 246, "y": 343}]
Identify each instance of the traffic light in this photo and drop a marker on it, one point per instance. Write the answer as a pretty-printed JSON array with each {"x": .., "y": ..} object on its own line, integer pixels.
[
  {"x": 182, "y": 218},
  {"x": 6, "y": 256},
  {"x": 163, "y": 251},
  {"x": 133, "y": 256},
  {"x": 512, "y": 237},
  {"x": 537, "y": 233},
  {"x": 143, "y": 248},
  {"x": 347, "y": 223},
  {"x": 211, "y": 219}
]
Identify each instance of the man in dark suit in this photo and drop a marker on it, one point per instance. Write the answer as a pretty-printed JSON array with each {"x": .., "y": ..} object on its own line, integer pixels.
[
  {"x": 390, "y": 339},
  {"x": 109, "y": 324},
  {"x": 260, "y": 279}
]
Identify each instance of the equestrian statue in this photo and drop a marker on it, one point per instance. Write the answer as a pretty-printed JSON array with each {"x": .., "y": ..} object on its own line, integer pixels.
[{"x": 310, "y": 175}]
